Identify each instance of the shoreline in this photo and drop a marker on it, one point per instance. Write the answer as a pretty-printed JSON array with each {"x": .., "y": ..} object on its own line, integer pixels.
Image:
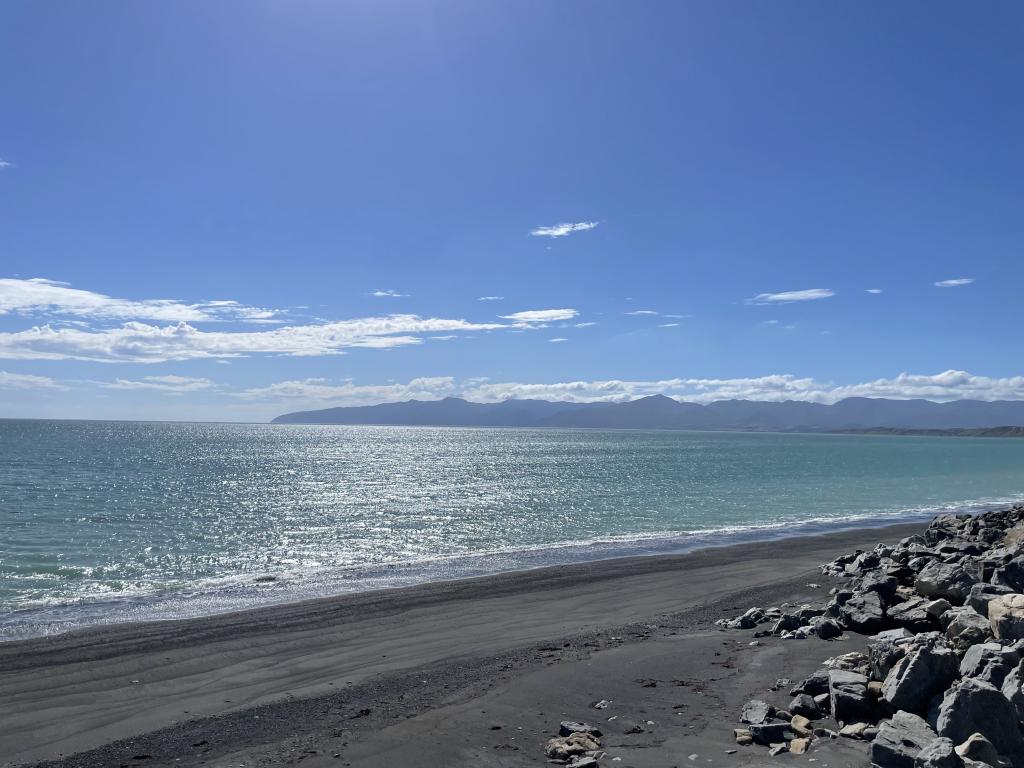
[
  {"x": 89, "y": 689},
  {"x": 258, "y": 593}
]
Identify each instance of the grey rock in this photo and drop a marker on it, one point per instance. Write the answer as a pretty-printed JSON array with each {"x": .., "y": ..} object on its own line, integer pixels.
[
  {"x": 979, "y": 749},
  {"x": 825, "y": 627},
  {"x": 1011, "y": 575},
  {"x": 972, "y": 706},
  {"x": 756, "y": 712},
  {"x": 965, "y": 626},
  {"x": 990, "y": 662},
  {"x": 880, "y": 583},
  {"x": 939, "y": 754},
  {"x": 948, "y": 580},
  {"x": 981, "y": 594},
  {"x": 1013, "y": 689},
  {"x": 1006, "y": 615},
  {"x": 913, "y": 615},
  {"x": 900, "y": 741},
  {"x": 805, "y": 705},
  {"x": 848, "y": 697},
  {"x": 864, "y": 613},
  {"x": 771, "y": 733},
  {"x": 918, "y": 676},
  {"x": 816, "y": 684},
  {"x": 883, "y": 655},
  {"x": 569, "y": 727},
  {"x": 937, "y": 607}
]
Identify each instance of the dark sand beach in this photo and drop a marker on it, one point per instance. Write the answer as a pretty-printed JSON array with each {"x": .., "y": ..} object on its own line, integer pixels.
[{"x": 476, "y": 672}]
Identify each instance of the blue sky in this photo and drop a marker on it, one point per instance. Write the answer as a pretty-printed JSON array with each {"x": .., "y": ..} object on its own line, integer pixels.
[{"x": 299, "y": 158}]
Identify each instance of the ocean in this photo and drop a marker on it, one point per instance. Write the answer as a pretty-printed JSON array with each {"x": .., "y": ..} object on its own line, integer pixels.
[{"x": 105, "y": 522}]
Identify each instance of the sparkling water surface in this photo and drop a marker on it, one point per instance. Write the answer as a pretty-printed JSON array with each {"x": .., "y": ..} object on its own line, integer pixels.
[{"x": 104, "y": 521}]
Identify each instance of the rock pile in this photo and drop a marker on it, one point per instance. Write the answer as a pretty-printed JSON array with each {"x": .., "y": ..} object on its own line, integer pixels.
[
  {"x": 942, "y": 684},
  {"x": 577, "y": 745}
]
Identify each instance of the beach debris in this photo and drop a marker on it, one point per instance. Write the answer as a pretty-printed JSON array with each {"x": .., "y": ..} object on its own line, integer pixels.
[
  {"x": 569, "y": 727},
  {"x": 743, "y": 736},
  {"x": 602, "y": 704},
  {"x": 573, "y": 745}
]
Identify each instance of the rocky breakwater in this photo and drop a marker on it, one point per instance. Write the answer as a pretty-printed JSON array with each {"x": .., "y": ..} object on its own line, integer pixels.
[{"x": 942, "y": 682}]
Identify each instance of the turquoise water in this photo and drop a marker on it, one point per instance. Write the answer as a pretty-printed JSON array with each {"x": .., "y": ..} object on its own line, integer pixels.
[{"x": 105, "y": 522}]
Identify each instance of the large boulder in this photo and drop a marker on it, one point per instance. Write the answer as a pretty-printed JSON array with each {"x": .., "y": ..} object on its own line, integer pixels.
[
  {"x": 982, "y": 594},
  {"x": 900, "y": 741},
  {"x": 1013, "y": 689},
  {"x": 756, "y": 712},
  {"x": 949, "y": 580},
  {"x": 990, "y": 662},
  {"x": 1006, "y": 614},
  {"x": 814, "y": 685},
  {"x": 918, "y": 676},
  {"x": 941, "y": 753},
  {"x": 804, "y": 705},
  {"x": 1010, "y": 575},
  {"x": 880, "y": 583},
  {"x": 864, "y": 613},
  {"x": 848, "y": 697},
  {"x": 771, "y": 733},
  {"x": 965, "y": 626},
  {"x": 913, "y": 615},
  {"x": 980, "y": 750},
  {"x": 972, "y": 706}
]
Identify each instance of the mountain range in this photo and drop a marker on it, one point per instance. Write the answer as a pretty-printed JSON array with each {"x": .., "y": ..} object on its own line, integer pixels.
[{"x": 661, "y": 412}]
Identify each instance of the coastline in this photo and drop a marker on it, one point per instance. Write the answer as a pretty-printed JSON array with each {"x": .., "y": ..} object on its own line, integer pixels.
[{"x": 103, "y": 688}]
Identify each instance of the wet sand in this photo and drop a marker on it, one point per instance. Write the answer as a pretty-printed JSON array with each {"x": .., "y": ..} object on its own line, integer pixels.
[{"x": 477, "y": 672}]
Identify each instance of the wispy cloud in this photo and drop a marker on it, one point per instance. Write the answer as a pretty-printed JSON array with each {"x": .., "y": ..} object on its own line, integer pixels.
[
  {"x": 388, "y": 293},
  {"x": 873, "y": 290},
  {"x": 563, "y": 229},
  {"x": 587, "y": 324},
  {"x": 788, "y": 297},
  {"x": 541, "y": 315},
  {"x": 143, "y": 343},
  {"x": 349, "y": 393},
  {"x": 955, "y": 282},
  {"x": 28, "y": 381},
  {"x": 5, "y": 163},
  {"x": 668, "y": 325},
  {"x": 39, "y": 296},
  {"x": 639, "y": 312},
  {"x": 491, "y": 298},
  {"x": 172, "y": 385},
  {"x": 679, "y": 317},
  {"x": 557, "y": 339}
]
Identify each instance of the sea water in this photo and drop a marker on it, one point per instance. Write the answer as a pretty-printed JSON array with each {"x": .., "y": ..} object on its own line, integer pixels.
[{"x": 104, "y": 522}]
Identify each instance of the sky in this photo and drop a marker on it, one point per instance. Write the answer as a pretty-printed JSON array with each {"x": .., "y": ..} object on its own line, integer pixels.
[{"x": 231, "y": 210}]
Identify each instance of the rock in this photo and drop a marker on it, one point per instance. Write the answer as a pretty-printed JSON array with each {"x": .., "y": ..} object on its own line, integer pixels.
[
  {"x": 853, "y": 730},
  {"x": 801, "y": 726},
  {"x": 900, "y": 741},
  {"x": 1013, "y": 689},
  {"x": 825, "y": 627},
  {"x": 771, "y": 733},
  {"x": 569, "y": 727},
  {"x": 778, "y": 749},
  {"x": 939, "y": 754},
  {"x": 743, "y": 736},
  {"x": 937, "y": 607},
  {"x": 799, "y": 746},
  {"x": 979, "y": 749},
  {"x": 990, "y": 662},
  {"x": 583, "y": 762},
  {"x": 982, "y": 594},
  {"x": 965, "y": 626},
  {"x": 565, "y": 747},
  {"x": 883, "y": 655},
  {"x": 848, "y": 697},
  {"x": 1006, "y": 615},
  {"x": 972, "y": 706},
  {"x": 918, "y": 676},
  {"x": 756, "y": 712},
  {"x": 877, "y": 581},
  {"x": 863, "y": 613},
  {"x": 949, "y": 580},
  {"x": 814, "y": 685},
  {"x": 1010, "y": 575},
  {"x": 851, "y": 662},
  {"x": 805, "y": 705},
  {"x": 913, "y": 615}
]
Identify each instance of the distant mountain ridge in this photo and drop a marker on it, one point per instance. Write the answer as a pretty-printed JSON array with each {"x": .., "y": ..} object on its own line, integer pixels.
[{"x": 661, "y": 412}]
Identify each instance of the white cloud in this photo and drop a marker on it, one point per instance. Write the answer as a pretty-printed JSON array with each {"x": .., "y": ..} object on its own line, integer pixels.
[
  {"x": 491, "y": 298},
  {"x": 27, "y": 381},
  {"x": 563, "y": 229},
  {"x": 382, "y": 292},
  {"x": 955, "y": 282},
  {"x": 584, "y": 325},
  {"x": 669, "y": 325},
  {"x": 143, "y": 343},
  {"x": 557, "y": 339},
  {"x": 347, "y": 393},
  {"x": 41, "y": 296},
  {"x": 679, "y": 317},
  {"x": 873, "y": 290},
  {"x": 642, "y": 312},
  {"x": 5, "y": 164},
  {"x": 541, "y": 315},
  {"x": 174, "y": 385},
  {"x": 788, "y": 297}
]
